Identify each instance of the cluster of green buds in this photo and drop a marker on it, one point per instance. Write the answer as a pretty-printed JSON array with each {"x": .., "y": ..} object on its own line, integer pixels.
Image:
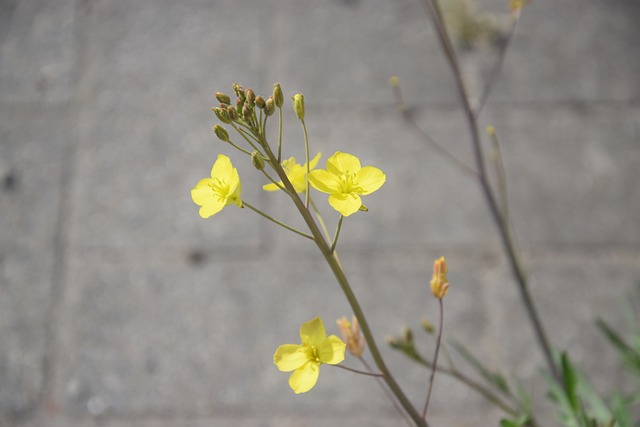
[{"x": 248, "y": 115}]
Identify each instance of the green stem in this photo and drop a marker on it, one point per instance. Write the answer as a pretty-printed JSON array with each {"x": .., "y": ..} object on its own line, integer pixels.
[
  {"x": 435, "y": 359},
  {"x": 245, "y": 136},
  {"x": 487, "y": 394},
  {"x": 280, "y": 136},
  {"x": 335, "y": 238},
  {"x": 270, "y": 218},
  {"x": 274, "y": 181},
  {"x": 386, "y": 391},
  {"x": 239, "y": 148},
  {"x": 306, "y": 152},
  {"x": 434, "y": 12},
  {"x": 341, "y": 277},
  {"x": 370, "y": 374}
]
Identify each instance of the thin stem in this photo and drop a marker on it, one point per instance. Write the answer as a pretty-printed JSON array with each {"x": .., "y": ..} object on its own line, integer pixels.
[
  {"x": 270, "y": 218},
  {"x": 306, "y": 152},
  {"x": 517, "y": 270},
  {"x": 386, "y": 391},
  {"x": 245, "y": 135},
  {"x": 273, "y": 180},
  {"x": 435, "y": 359},
  {"x": 335, "y": 238},
  {"x": 280, "y": 136},
  {"x": 341, "y": 277},
  {"x": 424, "y": 134},
  {"x": 320, "y": 220},
  {"x": 239, "y": 148},
  {"x": 501, "y": 175},
  {"x": 370, "y": 374},
  {"x": 495, "y": 72}
]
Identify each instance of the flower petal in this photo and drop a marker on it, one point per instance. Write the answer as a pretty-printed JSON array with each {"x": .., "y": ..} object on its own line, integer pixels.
[
  {"x": 222, "y": 168},
  {"x": 331, "y": 351},
  {"x": 289, "y": 357},
  {"x": 369, "y": 179},
  {"x": 271, "y": 187},
  {"x": 343, "y": 163},
  {"x": 313, "y": 162},
  {"x": 304, "y": 378},
  {"x": 324, "y": 181},
  {"x": 202, "y": 193},
  {"x": 212, "y": 207},
  {"x": 346, "y": 204},
  {"x": 312, "y": 332}
]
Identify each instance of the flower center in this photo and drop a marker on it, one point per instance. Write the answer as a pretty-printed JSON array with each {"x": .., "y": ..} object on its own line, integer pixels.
[
  {"x": 220, "y": 187},
  {"x": 312, "y": 353},
  {"x": 347, "y": 182}
]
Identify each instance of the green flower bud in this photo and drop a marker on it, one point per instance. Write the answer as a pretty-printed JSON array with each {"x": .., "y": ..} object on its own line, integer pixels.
[
  {"x": 239, "y": 105},
  {"x": 257, "y": 161},
  {"x": 239, "y": 91},
  {"x": 278, "y": 96},
  {"x": 270, "y": 107},
  {"x": 221, "y": 97},
  {"x": 222, "y": 115},
  {"x": 221, "y": 133},
  {"x": 247, "y": 111},
  {"x": 251, "y": 96},
  {"x": 260, "y": 102},
  {"x": 298, "y": 105},
  {"x": 233, "y": 113}
]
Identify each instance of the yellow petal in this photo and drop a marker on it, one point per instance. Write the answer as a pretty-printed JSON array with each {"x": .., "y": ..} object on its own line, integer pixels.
[
  {"x": 222, "y": 168},
  {"x": 212, "y": 207},
  {"x": 304, "y": 378},
  {"x": 331, "y": 351},
  {"x": 346, "y": 204},
  {"x": 313, "y": 162},
  {"x": 324, "y": 181},
  {"x": 271, "y": 187},
  {"x": 312, "y": 332},
  {"x": 369, "y": 179},
  {"x": 343, "y": 163},
  {"x": 289, "y": 357},
  {"x": 202, "y": 193}
]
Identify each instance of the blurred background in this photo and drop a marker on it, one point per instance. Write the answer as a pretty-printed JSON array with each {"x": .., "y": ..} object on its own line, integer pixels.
[{"x": 120, "y": 306}]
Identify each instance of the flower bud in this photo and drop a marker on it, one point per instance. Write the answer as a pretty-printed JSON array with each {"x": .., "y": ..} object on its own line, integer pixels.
[
  {"x": 221, "y": 97},
  {"x": 439, "y": 282},
  {"x": 278, "y": 96},
  {"x": 233, "y": 113},
  {"x": 491, "y": 131},
  {"x": 239, "y": 91},
  {"x": 394, "y": 81},
  {"x": 247, "y": 111},
  {"x": 222, "y": 115},
  {"x": 257, "y": 161},
  {"x": 352, "y": 336},
  {"x": 269, "y": 107},
  {"x": 221, "y": 133},
  {"x": 260, "y": 103},
  {"x": 298, "y": 105},
  {"x": 427, "y": 326},
  {"x": 251, "y": 96},
  {"x": 239, "y": 105}
]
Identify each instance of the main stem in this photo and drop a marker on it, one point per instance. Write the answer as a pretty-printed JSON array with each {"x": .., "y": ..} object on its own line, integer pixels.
[
  {"x": 339, "y": 273},
  {"x": 501, "y": 222}
]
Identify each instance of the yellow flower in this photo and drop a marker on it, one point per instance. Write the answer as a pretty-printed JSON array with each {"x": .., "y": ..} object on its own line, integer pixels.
[
  {"x": 439, "y": 282},
  {"x": 296, "y": 173},
  {"x": 345, "y": 181},
  {"x": 352, "y": 335},
  {"x": 222, "y": 189},
  {"x": 305, "y": 359}
]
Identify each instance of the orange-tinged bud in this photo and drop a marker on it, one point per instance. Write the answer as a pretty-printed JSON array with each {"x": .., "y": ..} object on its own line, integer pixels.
[
  {"x": 352, "y": 336},
  {"x": 439, "y": 282}
]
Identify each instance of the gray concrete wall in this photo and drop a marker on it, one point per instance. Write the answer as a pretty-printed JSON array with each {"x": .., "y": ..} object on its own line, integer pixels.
[{"x": 120, "y": 306}]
